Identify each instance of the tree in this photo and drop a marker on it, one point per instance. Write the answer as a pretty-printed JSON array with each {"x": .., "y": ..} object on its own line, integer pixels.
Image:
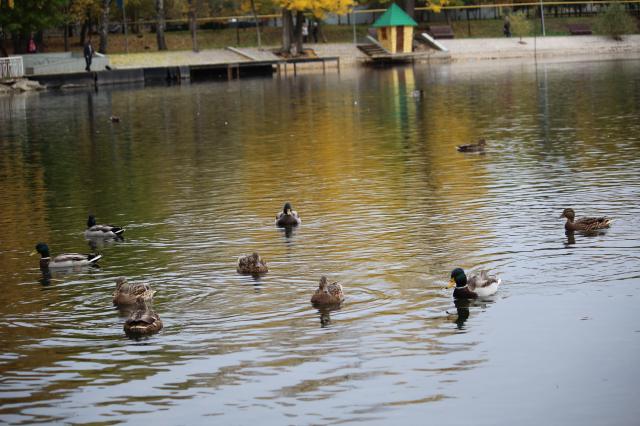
[
  {"x": 615, "y": 21},
  {"x": 293, "y": 34},
  {"x": 160, "y": 25},
  {"x": 520, "y": 25},
  {"x": 28, "y": 17},
  {"x": 104, "y": 26},
  {"x": 193, "y": 25}
]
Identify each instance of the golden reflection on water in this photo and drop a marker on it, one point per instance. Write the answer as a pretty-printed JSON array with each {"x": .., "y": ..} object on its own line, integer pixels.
[{"x": 196, "y": 174}]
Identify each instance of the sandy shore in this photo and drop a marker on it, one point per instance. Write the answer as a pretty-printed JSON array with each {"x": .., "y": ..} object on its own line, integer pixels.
[{"x": 459, "y": 50}]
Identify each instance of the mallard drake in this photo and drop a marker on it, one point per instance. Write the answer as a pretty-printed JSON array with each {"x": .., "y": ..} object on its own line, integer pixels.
[
  {"x": 252, "y": 264},
  {"x": 478, "y": 285},
  {"x": 130, "y": 294},
  {"x": 114, "y": 119},
  {"x": 584, "y": 223},
  {"x": 327, "y": 294},
  {"x": 288, "y": 216},
  {"x": 143, "y": 321},
  {"x": 63, "y": 260},
  {"x": 473, "y": 147},
  {"x": 102, "y": 231}
]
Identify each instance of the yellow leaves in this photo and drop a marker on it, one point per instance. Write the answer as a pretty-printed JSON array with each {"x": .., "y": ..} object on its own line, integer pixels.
[
  {"x": 437, "y": 5},
  {"x": 318, "y": 7}
]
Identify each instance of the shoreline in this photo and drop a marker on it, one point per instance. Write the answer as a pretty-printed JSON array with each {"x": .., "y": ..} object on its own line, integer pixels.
[
  {"x": 481, "y": 49},
  {"x": 176, "y": 66}
]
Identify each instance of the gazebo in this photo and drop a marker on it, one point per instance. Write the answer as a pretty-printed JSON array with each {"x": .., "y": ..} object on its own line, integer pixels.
[{"x": 395, "y": 30}]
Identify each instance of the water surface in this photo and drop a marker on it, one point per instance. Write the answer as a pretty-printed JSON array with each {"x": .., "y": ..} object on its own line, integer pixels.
[{"x": 197, "y": 173}]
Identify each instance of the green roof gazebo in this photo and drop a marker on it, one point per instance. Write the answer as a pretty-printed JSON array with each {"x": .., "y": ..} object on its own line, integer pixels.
[{"x": 395, "y": 30}]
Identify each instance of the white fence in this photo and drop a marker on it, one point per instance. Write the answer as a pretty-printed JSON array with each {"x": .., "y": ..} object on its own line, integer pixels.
[{"x": 11, "y": 67}]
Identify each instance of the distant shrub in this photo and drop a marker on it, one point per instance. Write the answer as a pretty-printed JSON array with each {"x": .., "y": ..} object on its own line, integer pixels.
[
  {"x": 520, "y": 25},
  {"x": 615, "y": 21}
]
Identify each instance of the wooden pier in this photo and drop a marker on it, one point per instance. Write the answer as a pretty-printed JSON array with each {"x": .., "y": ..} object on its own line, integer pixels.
[{"x": 177, "y": 74}]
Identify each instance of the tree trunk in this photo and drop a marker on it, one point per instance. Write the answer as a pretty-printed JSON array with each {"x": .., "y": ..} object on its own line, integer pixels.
[
  {"x": 84, "y": 30},
  {"x": 255, "y": 18},
  {"x": 66, "y": 37},
  {"x": 193, "y": 25},
  {"x": 410, "y": 7},
  {"x": 320, "y": 32},
  {"x": 160, "y": 25},
  {"x": 287, "y": 24},
  {"x": 104, "y": 26},
  {"x": 297, "y": 34}
]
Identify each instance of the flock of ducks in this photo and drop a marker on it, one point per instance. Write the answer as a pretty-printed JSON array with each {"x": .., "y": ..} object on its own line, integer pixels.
[{"x": 137, "y": 297}]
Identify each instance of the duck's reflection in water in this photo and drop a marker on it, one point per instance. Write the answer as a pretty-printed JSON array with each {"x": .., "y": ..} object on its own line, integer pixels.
[
  {"x": 462, "y": 308},
  {"x": 48, "y": 274},
  {"x": 325, "y": 315}
]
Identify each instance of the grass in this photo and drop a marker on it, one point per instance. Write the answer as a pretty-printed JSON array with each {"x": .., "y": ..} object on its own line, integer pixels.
[{"x": 271, "y": 36}]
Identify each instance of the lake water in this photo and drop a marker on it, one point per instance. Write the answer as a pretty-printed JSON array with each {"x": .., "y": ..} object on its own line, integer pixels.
[{"x": 196, "y": 174}]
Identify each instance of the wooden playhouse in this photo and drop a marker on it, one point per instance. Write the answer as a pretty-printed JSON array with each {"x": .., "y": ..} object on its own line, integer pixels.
[{"x": 395, "y": 30}]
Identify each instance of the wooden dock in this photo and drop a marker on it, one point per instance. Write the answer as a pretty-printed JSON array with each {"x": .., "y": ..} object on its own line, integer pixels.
[{"x": 177, "y": 74}]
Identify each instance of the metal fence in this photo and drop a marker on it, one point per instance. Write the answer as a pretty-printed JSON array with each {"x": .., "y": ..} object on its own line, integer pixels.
[{"x": 11, "y": 67}]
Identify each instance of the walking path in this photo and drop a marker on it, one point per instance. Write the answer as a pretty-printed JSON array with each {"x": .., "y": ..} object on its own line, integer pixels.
[{"x": 459, "y": 50}]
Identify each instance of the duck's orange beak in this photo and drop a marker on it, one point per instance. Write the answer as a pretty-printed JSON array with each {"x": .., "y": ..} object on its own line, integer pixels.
[
  {"x": 32, "y": 253},
  {"x": 452, "y": 283}
]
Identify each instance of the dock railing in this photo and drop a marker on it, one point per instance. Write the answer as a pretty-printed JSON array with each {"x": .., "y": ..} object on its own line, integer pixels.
[{"x": 11, "y": 67}]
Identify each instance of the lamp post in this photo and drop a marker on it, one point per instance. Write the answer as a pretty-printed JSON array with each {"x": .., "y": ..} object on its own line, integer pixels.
[{"x": 542, "y": 18}]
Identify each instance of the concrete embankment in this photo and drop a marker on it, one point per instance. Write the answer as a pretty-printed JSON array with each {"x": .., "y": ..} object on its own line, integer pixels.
[{"x": 226, "y": 64}]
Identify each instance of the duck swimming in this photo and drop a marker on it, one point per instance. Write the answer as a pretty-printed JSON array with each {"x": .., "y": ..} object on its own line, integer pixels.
[
  {"x": 478, "y": 285},
  {"x": 143, "y": 321},
  {"x": 130, "y": 294},
  {"x": 473, "y": 147},
  {"x": 584, "y": 223},
  {"x": 288, "y": 216},
  {"x": 327, "y": 294},
  {"x": 102, "y": 231},
  {"x": 64, "y": 260},
  {"x": 252, "y": 264}
]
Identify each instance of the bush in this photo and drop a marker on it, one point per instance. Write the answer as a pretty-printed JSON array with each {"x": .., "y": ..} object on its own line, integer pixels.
[
  {"x": 615, "y": 21},
  {"x": 520, "y": 25}
]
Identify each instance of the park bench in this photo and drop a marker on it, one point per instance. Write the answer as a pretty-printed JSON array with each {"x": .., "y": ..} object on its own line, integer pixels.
[
  {"x": 579, "y": 29},
  {"x": 440, "y": 31}
]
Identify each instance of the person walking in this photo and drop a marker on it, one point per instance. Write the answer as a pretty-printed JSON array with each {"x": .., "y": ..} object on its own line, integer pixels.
[
  {"x": 88, "y": 54},
  {"x": 31, "y": 47},
  {"x": 506, "y": 28}
]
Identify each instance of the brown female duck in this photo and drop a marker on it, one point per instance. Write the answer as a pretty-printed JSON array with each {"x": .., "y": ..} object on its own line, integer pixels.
[
  {"x": 143, "y": 321},
  {"x": 473, "y": 147},
  {"x": 327, "y": 294},
  {"x": 129, "y": 294},
  {"x": 584, "y": 223},
  {"x": 288, "y": 217},
  {"x": 252, "y": 264}
]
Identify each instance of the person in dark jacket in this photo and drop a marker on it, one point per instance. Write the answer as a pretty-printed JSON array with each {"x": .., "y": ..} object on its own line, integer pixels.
[
  {"x": 506, "y": 27},
  {"x": 88, "y": 54}
]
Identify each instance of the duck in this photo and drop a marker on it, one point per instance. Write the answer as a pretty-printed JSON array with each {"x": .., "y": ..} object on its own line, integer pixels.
[
  {"x": 63, "y": 260},
  {"x": 327, "y": 294},
  {"x": 114, "y": 119},
  {"x": 252, "y": 264},
  {"x": 143, "y": 321},
  {"x": 130, "y": 294},
  {"x": 473, "y": 147},
  {"x": 288, "y": 216},
  {"x": 477, "y": 285},
  {"x": 102, "y": 231},
  {"x": 584, "y": 223}
]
